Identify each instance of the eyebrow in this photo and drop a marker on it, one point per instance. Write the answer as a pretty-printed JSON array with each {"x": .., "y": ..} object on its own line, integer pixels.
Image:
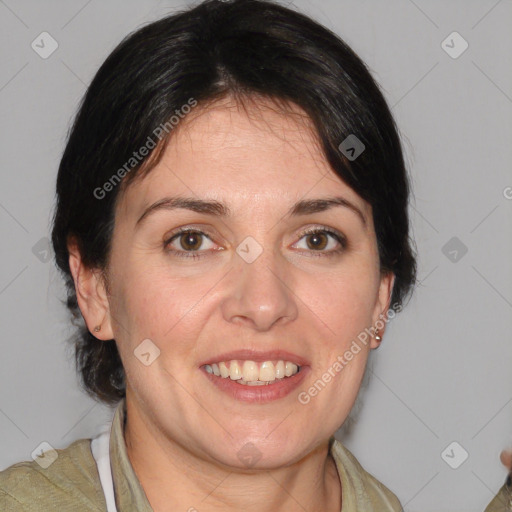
[{"x": 218, "y": 209}]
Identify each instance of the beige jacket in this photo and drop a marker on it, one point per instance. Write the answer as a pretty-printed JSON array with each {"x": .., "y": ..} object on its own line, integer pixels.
[{"x": 71, "y": 483}]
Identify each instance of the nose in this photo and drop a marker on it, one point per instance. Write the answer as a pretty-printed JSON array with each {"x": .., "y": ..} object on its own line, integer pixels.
[{"x": 260, "y": 294}]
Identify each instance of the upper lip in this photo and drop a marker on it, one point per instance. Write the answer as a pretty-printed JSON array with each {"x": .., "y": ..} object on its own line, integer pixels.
[{"x": 258, "y": 357}]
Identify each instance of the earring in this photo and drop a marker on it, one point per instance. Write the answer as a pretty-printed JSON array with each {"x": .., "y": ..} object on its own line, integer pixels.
[
  {"x": 378, "y": 339},
  {"x": 97, "y": 328}
]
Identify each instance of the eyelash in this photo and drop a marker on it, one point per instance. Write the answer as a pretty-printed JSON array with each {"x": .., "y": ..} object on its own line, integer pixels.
[{"x": 339, "y": 237}]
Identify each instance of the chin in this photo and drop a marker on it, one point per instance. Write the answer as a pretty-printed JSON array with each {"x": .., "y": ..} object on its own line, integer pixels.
[{"x": 261, "y": 453}]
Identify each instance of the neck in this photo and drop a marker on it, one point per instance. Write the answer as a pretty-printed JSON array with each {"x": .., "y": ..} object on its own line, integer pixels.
[{"x": 175, "y": 479}]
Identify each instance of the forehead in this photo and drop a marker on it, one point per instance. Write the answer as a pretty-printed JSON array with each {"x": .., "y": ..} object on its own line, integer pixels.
[
  {"x": 254, "y": 129},
  {"x": 241, "y": 152}
]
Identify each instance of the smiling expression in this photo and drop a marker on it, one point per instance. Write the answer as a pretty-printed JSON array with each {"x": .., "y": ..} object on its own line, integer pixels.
[{"x": 242, "y": 245}]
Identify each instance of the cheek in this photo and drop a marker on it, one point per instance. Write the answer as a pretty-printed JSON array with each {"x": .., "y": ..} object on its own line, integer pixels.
[
  {"x": 344, "y": 301},
  {"x": 151, "y": 303}
]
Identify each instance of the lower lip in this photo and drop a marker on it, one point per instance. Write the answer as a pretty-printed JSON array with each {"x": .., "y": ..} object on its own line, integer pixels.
[{"x": 258, "y": 394}]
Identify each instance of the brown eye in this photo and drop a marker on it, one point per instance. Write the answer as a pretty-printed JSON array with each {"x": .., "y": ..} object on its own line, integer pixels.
[
  {"x": 190, "y": 241},
  {"x": 322, "y": 242},
  {"x": 317, "y": 241}
]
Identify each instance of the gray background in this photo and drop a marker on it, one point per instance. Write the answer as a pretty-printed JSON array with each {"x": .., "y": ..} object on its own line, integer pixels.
[{"x": 443, "y": 371}]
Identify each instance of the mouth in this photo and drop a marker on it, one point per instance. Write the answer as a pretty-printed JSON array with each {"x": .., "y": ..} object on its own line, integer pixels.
[
  {"x": 256, "y": 377},
  {"x": 252, "y": 373}
]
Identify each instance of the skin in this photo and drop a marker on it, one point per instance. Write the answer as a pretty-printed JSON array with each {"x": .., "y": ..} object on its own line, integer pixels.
[{"x": 183, "y": 434}]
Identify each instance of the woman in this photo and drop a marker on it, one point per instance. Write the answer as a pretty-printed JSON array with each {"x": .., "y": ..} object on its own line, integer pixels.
[{"x": 232, "y": 225}]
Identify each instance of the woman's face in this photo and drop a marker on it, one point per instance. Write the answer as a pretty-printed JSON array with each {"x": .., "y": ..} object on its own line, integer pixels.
[{"x": 251, "y": 286}]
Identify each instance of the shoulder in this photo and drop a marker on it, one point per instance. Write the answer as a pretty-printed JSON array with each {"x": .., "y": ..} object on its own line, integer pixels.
[
  {"x": 366, "y": 490},
  {"x": 71, "y": 482}
]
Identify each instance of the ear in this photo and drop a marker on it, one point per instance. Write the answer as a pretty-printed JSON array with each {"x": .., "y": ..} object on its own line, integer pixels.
[
  {"x": 382, "y": 304},
  {"x": 91, "y": 294}
]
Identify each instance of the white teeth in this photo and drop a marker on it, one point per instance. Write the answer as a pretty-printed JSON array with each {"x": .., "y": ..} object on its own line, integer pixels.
[
  {"x": 280, "y": 370},
  {"x": 224, "y": 370},
  {"x": 235, "y": 372},
  {"x": 252, "y": 373},
  {"x": 267, "y": 372},
  {"x": 290, "y": 369}
]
